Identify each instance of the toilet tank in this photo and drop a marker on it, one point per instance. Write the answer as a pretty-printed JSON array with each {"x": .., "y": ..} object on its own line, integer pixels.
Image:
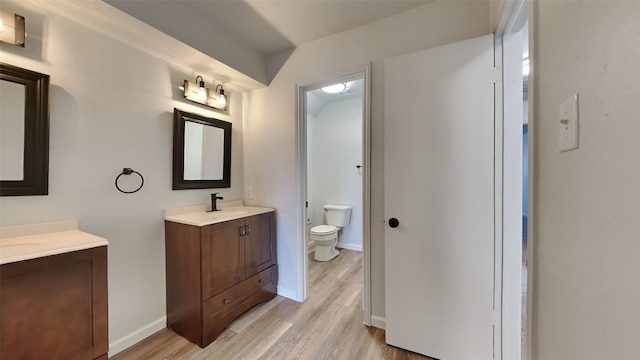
[{"x": 337, "y": 215}]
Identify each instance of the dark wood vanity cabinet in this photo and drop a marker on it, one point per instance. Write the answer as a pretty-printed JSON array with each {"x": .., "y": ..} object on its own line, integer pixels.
[
  {"x": 55, "y": 307},
  {"x": 217, "y": 272}
]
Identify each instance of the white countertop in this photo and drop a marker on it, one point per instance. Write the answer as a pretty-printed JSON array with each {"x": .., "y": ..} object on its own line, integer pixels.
[
  {"x": 198, "y": 216},
  {"x": 25, "y": 242}
]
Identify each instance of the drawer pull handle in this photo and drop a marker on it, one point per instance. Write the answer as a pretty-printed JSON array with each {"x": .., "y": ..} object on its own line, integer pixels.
[
  {"x": 227, "y": 301},
  {"x": 260, "y": 281}
]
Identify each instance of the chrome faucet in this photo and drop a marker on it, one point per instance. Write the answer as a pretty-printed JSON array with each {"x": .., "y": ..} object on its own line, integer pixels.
[{"x": 214, "y": 197}]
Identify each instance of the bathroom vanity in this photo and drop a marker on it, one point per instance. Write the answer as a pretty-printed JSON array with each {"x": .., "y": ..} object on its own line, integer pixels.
[
  {"x": 219, "y": 265},
  {"x": 53, "y": 293}
]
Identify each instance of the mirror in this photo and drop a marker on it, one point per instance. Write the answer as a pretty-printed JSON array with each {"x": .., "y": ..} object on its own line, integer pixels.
[
  {"x": 201, "y": 152},
  {"x": 24, "y": 132}
]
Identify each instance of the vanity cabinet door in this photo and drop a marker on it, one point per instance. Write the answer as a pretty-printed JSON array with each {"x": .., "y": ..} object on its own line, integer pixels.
[
  {"x": 55, "y": 307},
  {"x": 223, "y": 262},
  {"x": 260, "y": 242}
]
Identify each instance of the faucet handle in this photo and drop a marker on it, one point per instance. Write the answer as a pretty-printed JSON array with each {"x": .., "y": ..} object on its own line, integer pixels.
[{"x": 215, "y": 196}]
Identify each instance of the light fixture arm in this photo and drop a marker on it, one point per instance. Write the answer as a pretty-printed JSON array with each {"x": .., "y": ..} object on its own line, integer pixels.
[{"x": 201, "y": 83}]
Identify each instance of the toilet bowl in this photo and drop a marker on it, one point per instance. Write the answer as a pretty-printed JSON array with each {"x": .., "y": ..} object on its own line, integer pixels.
[{"x": 326, "y": 236}]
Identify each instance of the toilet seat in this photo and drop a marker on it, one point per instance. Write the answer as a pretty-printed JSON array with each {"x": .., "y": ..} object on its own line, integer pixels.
[{"x": 324, "y": 229}]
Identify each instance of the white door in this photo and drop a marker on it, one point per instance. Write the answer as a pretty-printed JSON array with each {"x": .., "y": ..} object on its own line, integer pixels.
[{"x": 439, "y": 185}]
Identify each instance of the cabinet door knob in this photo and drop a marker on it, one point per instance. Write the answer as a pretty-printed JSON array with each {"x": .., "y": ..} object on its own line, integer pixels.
[
  {"x": 227, "y": 301},
  {"x": 260, "y": 281},
  {"x": 248, "y": 231},
  {"x": 243, "y": 231}
]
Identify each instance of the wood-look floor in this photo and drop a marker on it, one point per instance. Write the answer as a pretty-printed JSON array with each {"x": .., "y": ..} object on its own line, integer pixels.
[{"x": 327, "y": 326}]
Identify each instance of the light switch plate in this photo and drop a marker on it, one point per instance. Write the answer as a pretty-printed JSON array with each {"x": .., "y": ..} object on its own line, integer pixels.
[{"x": 568, "y": 124}]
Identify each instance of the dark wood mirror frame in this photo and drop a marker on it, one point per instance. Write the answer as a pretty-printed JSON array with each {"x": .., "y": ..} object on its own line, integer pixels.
[
  {"x": 36, "y": 132},
  {"x": 179, "y": 182}
]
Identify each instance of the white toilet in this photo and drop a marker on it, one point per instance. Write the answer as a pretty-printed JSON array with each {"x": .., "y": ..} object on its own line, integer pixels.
[{"x": 325, "y": 237}]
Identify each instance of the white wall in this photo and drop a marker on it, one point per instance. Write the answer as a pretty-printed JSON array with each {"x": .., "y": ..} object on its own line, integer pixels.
[
  {"x": 334, "y": 148},
  {"x": 111, "y": 107},
  {"x": 497, "y": 7},
  {"x": 270, "y": 128},
  {"x": 586, "y": 218}
]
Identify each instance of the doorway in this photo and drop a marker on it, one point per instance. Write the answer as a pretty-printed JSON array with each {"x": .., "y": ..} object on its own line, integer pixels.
[
  {"x": 333, "y": 152},
  {"x": 526, "y": 68},
  {"x": 334, "y": 158}
]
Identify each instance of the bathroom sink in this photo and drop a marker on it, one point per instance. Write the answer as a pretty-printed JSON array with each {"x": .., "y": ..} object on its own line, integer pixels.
[
  {"x": 31, "y": 241},
  {"x": 203, "y": 218},
  {"x": 221, "y": 215}
]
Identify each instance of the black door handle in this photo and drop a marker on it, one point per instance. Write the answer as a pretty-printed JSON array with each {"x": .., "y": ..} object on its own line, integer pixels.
[{"x": 393, "y": 222}]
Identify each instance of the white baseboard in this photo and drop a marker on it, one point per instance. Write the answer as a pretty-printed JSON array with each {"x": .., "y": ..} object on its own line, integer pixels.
[
  {"x": 311, "y": 246},
  {"x": 288, "y": 293},
  {"x": 137, "y": 336},
  {"x": 379, "y": 322},
  {"x": 348, "y": 246}
]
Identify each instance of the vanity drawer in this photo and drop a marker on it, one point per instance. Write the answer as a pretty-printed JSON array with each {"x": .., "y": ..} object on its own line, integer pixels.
[
  {"x": 222, "y": 309},
  {"x": 237, "y": 293}
]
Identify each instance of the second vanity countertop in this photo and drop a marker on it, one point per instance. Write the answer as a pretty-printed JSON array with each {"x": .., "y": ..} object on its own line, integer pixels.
[
  {"x": 198, "y": 216},
  {"x": 25, "y": 242}
]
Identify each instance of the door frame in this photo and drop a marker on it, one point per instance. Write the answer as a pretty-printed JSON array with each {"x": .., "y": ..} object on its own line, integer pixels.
[
  {"x": 360, "y": 72},
  {"x": 514, "y": 15}
]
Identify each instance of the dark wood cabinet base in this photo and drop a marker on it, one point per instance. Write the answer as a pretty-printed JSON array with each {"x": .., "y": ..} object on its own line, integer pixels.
[
  {"x": 217, "y": 272},
  {"x": 55, "y": 307}
]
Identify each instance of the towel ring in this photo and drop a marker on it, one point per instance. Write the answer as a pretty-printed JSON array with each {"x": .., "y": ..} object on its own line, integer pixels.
[{"x": 129, "y": 171}]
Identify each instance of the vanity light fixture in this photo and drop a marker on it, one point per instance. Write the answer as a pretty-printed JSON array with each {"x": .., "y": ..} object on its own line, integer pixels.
[
  {"x": 217, "y": 99},
  {"x": 195, "y": 91},
  {"x": 335, "y": 88},
  {"x": 12, "y": 28},
  {"x": 199, "y": 93}
]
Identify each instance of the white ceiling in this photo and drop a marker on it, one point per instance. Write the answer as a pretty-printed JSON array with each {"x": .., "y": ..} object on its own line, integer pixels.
[
  {"x": 226, "y": 41},
  {"x": 268, "y": 26}
]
